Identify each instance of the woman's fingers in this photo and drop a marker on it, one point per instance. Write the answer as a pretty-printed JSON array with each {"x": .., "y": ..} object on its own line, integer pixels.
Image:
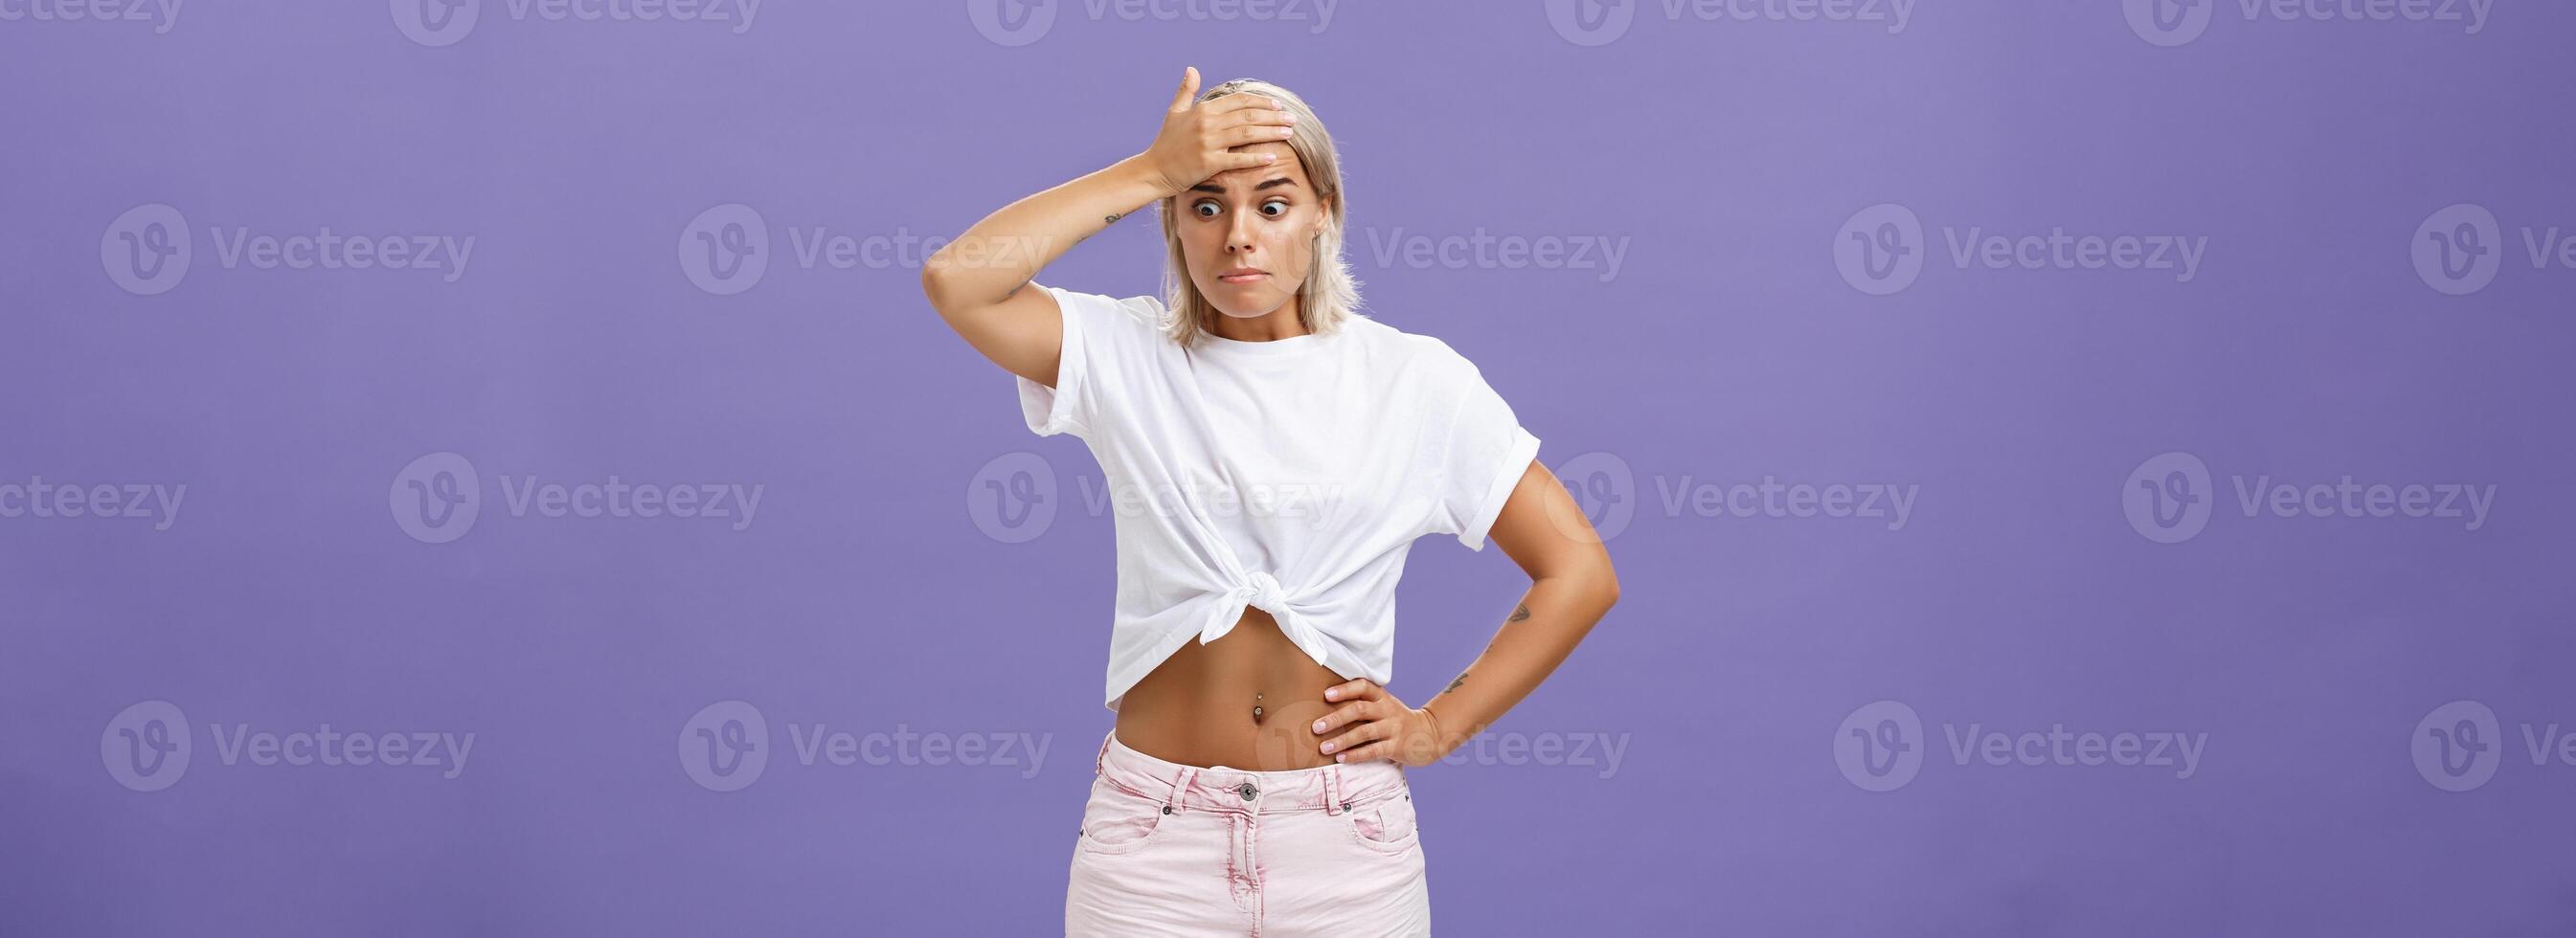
[
  {"x": 1244, "y": 101},
  {"x": 1245, "y": 136},
  {"x": 1365, "y": 732},
  {"x": 1189, "y": 89}
]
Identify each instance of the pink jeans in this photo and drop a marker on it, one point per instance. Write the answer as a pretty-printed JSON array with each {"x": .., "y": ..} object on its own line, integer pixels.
[{"x": 1171, "y": 849}]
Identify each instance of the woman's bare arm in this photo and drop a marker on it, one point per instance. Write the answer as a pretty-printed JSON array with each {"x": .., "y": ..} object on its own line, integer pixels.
[
  {"x": 976, "y": 281},
  {"x": 1571, "y": 588}
]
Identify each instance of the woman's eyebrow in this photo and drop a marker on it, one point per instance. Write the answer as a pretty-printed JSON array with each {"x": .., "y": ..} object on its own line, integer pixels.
[{"x": 1220, "y": 190}]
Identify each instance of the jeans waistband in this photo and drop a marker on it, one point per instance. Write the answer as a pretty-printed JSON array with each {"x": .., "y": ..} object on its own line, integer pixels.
[{"x": 1328, "y": 788}]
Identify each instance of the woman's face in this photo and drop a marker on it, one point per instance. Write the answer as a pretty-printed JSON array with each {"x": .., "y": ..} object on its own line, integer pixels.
[{"x": 1249, "y": 234}]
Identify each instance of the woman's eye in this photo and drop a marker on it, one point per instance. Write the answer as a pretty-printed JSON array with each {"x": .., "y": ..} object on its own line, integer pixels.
[
  {"x": 1205, "y": 209},
  {"x": 1266, "y": 208}
]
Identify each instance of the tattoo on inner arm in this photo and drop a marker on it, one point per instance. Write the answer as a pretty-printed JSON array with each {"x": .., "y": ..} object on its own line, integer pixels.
[
  {"x": 1453, "y": 685},
  {"x": 1522, "y": 612}
]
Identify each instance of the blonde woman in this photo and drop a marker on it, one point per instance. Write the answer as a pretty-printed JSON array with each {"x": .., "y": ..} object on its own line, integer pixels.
[{"x": 1271, "y": 454}]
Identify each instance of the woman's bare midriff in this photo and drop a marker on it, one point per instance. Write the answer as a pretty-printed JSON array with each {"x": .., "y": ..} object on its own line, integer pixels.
[{"x": 1248, "y": 700}]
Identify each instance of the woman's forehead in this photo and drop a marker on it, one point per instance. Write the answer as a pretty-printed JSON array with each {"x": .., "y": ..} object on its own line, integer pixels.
[{"x": 1285, "y": 166}]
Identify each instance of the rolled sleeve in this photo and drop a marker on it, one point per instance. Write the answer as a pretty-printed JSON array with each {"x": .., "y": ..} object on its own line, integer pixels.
[{"x": 1485, "y": 453}]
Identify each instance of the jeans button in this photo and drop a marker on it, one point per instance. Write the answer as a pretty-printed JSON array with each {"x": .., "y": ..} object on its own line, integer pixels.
[{"x": 1247, "y": 791}]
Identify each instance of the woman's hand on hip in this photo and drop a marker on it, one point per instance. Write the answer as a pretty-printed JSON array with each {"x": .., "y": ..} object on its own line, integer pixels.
[{"x": 1371, "y": 724}]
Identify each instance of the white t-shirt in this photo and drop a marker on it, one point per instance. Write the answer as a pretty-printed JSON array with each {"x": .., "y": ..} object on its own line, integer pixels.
[{"x": 1289, "y": 475}]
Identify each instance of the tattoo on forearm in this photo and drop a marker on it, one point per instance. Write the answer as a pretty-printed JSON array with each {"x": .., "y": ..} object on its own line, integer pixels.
[
  {"x": 1112, "y": 218},
  {"x": 1522, "y": 612},
  {"x": 1453, "y": 685}
]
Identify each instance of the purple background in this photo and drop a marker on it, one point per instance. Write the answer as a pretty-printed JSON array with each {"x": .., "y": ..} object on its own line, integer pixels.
[{"x": 866, "y": 595}]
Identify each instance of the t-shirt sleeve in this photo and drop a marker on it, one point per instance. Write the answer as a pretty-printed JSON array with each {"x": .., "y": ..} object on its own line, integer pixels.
[
  {"x": 1105, "y": 339},
  {"x": 1483, "y": 450}
]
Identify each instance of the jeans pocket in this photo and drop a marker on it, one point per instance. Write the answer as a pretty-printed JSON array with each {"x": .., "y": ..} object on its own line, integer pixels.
[
  {"x": 1117, "y": 820},
  {"x": 1386, "y": 824}
]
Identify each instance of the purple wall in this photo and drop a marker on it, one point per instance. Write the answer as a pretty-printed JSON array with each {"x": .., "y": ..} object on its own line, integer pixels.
[{"x": 2167, "y": 527}]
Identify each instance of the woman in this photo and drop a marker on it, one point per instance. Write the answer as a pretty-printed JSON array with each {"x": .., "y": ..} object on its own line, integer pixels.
[{"x": 1272, "y": 453}]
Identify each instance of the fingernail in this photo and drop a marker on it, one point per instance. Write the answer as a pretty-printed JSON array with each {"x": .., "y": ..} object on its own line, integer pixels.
[
  {"x": 1343, "y": 757},
  {"x": 1319, "y": 726},
  {"x": 1328, "y": 747}
]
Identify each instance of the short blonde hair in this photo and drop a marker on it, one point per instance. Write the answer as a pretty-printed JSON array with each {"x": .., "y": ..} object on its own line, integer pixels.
[{"x": 1329, "y": 294}]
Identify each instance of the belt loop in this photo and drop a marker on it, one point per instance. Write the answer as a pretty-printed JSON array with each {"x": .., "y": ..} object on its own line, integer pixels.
[
  {"x": 1097, "y": 760},
  {"x": 1180, "y": 784},
  {"x": 1333, "y": 789}
]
